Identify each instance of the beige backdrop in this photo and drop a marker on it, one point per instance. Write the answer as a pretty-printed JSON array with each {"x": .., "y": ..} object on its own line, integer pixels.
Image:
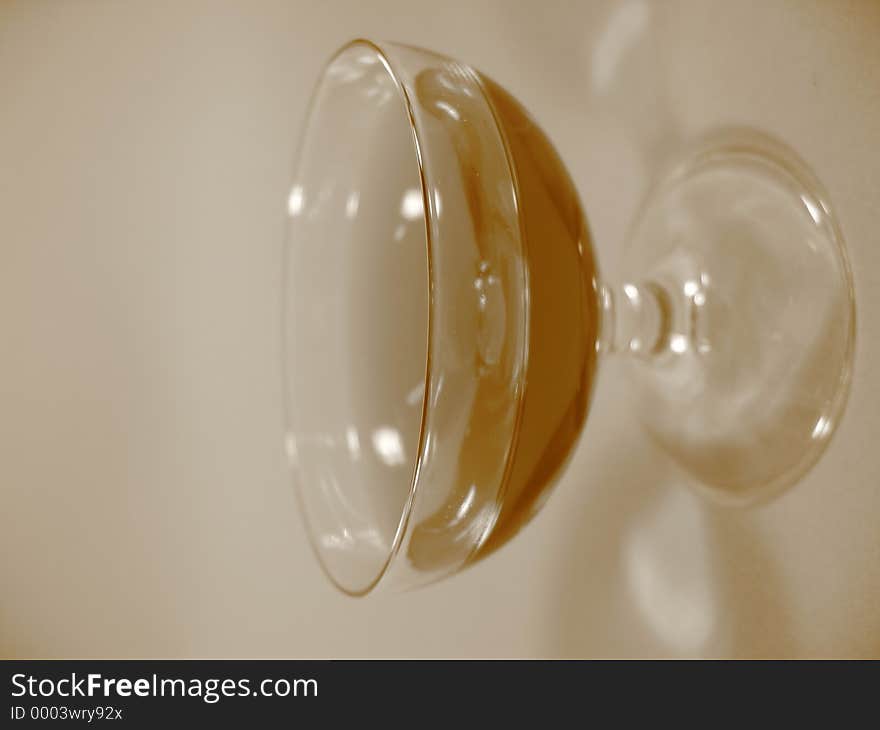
[{"x": 144, "y": 507}]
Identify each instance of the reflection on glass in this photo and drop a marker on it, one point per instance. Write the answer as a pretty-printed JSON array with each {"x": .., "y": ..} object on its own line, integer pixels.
[
  {"x": 389, "y": 446},
  {"x": 351, "y": 205},
  {"x": 411, "y": 206},
  {"x": 295, "y": 201}
]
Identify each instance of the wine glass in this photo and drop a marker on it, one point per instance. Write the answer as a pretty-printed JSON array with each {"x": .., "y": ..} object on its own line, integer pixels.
[{"x": 444, "y": 317}]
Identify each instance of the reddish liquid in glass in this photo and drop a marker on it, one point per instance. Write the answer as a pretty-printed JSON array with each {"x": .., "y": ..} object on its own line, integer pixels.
[{"x": 563, "y": 330}]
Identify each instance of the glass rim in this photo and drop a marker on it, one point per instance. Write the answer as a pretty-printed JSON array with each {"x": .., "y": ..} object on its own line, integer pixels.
[{"x": 407, "y": 507}]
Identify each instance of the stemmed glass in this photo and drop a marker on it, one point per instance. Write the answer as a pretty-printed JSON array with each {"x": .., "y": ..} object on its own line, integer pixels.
[{"x": 444, "y": 317}]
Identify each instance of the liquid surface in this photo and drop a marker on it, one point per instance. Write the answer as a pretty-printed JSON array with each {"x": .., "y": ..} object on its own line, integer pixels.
[
  {"x": 562, "y": 306},
  {"x": 564, "y": 321}
]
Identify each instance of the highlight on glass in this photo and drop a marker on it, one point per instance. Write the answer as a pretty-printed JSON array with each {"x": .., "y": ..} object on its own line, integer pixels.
[{"x": 445, "y": 317}]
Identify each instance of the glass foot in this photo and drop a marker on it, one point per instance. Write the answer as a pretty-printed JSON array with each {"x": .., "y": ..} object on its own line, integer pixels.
[{"x": 748, "y": 375}]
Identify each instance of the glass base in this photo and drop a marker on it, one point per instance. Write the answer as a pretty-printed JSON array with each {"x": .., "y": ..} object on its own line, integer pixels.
[{"x": 749, "y": 375}]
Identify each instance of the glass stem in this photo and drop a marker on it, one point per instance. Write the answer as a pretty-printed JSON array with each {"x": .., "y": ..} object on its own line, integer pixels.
[
  {"x": 646, "y": 319},
  {"x": 637, "y": 319}
]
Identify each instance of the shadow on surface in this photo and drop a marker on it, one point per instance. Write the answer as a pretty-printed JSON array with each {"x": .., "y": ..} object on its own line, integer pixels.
[{"x": 651, "y": 569}]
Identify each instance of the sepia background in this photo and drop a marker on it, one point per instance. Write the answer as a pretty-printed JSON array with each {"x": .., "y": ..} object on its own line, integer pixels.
[{"x": 145, "y": 149}]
